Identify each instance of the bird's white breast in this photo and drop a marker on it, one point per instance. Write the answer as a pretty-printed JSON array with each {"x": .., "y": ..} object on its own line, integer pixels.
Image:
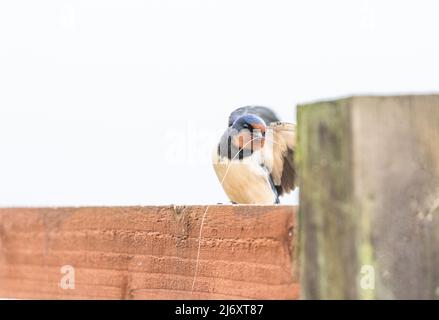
[{"x": 244, "y": 181}]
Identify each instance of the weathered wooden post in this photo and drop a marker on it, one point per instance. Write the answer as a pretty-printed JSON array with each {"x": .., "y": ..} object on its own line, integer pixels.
[{"x": 369, "y": 200}]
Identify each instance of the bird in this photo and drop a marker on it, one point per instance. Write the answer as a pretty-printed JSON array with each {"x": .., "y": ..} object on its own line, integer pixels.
[{"x": 254, "y": 159}]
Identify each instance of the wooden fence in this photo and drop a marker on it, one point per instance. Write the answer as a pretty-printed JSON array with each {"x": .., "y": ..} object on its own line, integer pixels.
[
  {"x": 368, "y": 225},
  {"x": 148, "y": 253}
]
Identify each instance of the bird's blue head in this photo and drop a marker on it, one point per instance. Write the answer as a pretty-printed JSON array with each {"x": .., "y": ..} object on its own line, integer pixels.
[{"x": 249, "y": 132}]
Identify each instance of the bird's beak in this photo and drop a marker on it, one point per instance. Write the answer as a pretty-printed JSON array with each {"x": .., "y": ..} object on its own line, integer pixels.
[
  {"x": 258, "y": 138},
  {"x": 249, "y": 141}
]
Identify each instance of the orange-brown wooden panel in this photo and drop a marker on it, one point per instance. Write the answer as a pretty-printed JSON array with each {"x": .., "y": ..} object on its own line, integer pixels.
[{"x": 148, "y": 252}]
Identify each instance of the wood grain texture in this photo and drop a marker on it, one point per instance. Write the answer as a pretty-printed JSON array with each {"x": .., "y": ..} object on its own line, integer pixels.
[
  {"x": 148, "y": 252},
  {"x": 370, "y": 197}
]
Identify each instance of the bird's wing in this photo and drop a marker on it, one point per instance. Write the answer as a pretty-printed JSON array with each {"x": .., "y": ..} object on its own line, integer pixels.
[
  {"x": 264, "y": 113},
  {"x": 279, "y": 155}
]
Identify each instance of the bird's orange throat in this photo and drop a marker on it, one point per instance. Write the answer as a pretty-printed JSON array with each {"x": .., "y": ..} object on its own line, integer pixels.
[{"x": 245, "y": 141}]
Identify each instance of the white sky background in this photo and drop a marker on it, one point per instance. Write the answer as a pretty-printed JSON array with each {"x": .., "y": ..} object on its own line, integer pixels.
[{"x": 121, "y": 102}]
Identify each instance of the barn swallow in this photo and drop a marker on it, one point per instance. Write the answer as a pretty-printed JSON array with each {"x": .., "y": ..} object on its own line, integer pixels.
[{"x": 254, "y": 160}]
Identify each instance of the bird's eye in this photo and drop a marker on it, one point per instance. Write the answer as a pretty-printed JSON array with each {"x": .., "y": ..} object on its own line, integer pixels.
[{"x": 245, "y": 125}]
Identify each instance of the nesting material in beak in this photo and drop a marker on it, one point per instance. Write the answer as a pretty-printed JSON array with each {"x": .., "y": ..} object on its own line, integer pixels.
[{"x": 249, "y": 140}]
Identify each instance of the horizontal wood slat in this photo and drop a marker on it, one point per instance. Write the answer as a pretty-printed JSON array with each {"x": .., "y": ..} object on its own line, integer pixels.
[{"x": 148, "y": 252}]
